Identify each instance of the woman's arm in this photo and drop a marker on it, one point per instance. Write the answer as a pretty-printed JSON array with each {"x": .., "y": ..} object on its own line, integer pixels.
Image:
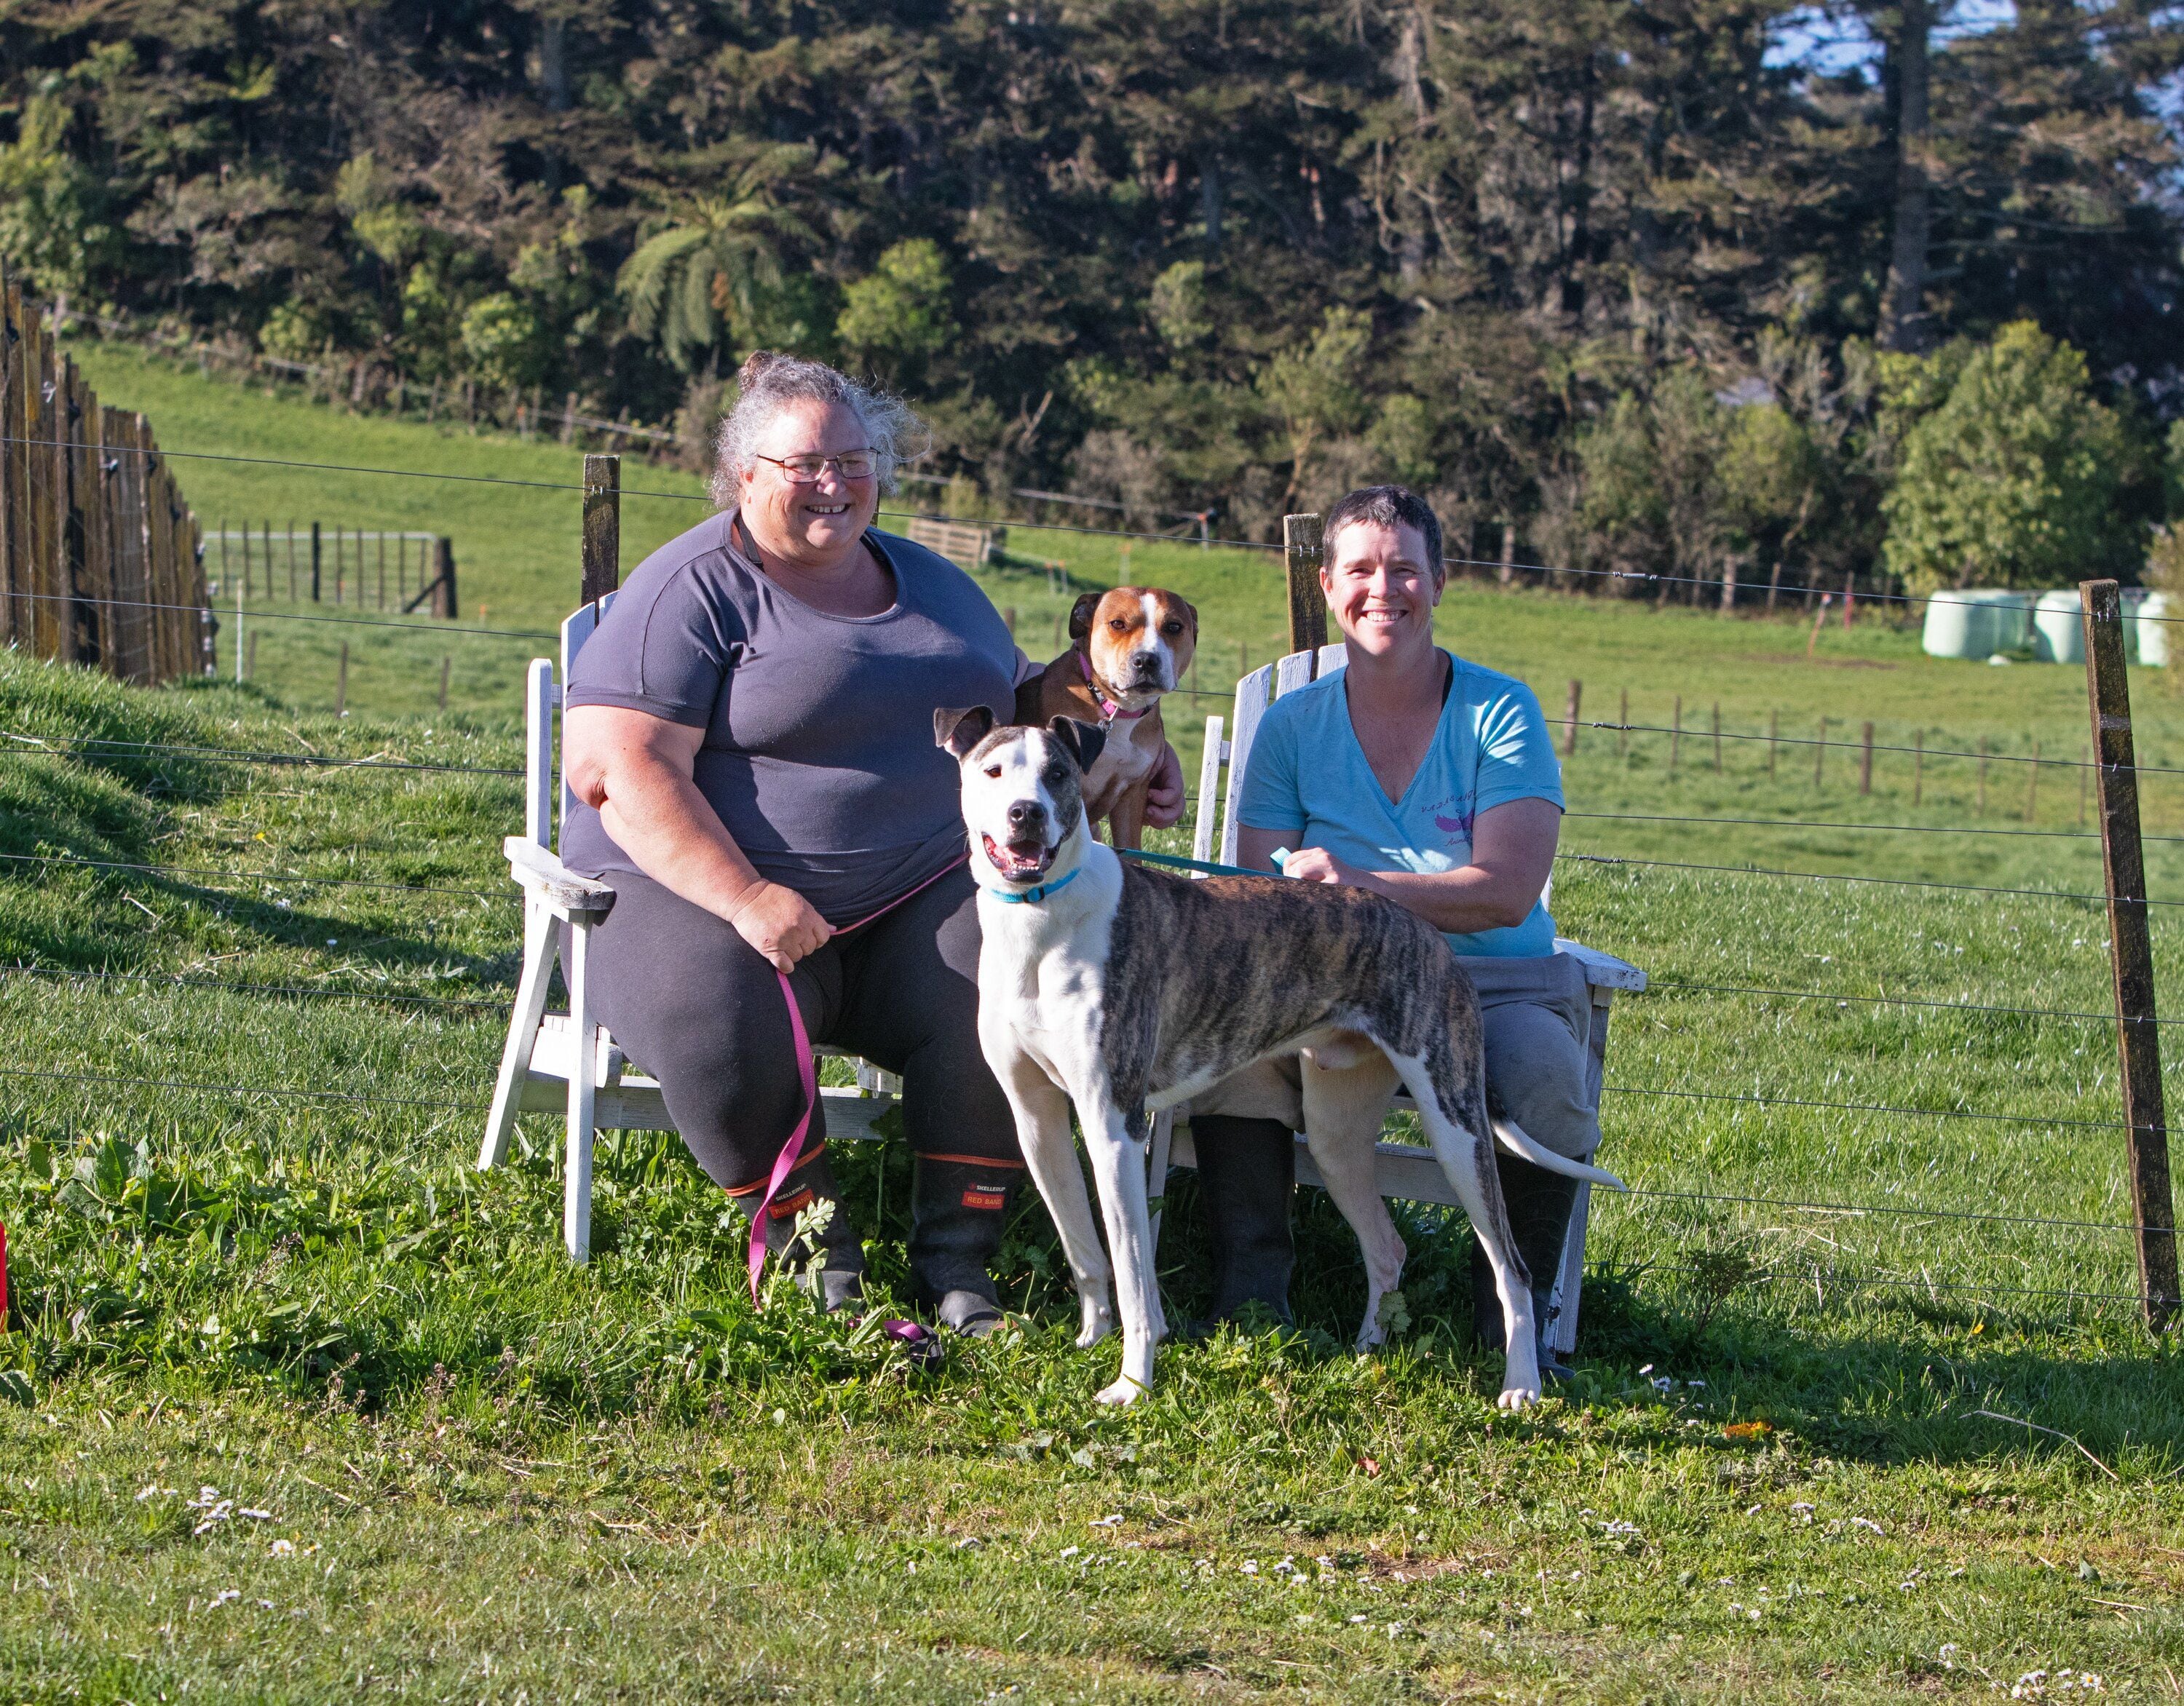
[
  {"x": 637, "y": 771},
  {"x": 1512, "y": 853}
]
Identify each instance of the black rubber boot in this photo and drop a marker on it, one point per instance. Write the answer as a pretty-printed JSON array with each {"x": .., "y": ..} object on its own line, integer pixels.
[
  {"x": 837, "y": 1275},
  {"x": 1539, "y": 1203},
  {"x": 958, "y": 1206},
  {"x": 1247, "y": 1179}
]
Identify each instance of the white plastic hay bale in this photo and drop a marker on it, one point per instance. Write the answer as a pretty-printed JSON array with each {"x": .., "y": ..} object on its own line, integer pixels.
[
  {"x": 1976, "y": 622},
  {"x": 2156, "y": 612},
  {"x": 2059, "y": 633}
]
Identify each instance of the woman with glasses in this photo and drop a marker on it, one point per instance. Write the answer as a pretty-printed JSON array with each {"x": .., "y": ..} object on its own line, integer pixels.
[{"x": 749, "y": 736}]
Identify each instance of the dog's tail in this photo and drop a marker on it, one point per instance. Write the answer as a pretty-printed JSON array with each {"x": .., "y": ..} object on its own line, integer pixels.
[{"x": 1512, "y": 1138}]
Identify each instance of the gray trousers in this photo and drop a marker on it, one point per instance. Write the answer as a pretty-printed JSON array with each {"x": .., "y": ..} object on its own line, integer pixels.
[{"x": 1537, "y": 1015}]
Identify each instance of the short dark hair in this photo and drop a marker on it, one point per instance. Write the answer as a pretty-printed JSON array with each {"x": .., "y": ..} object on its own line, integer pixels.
[{"x": 1389, "y": 506}]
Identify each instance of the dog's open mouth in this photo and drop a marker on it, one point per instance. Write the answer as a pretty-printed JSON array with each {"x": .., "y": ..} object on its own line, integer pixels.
[{"x": 1017, "y": 862}]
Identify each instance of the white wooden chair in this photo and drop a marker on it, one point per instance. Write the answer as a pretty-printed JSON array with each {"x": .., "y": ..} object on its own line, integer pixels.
[
  {"x": 567, "y": 1060},
  {"x": 1405, "y": 1170}
]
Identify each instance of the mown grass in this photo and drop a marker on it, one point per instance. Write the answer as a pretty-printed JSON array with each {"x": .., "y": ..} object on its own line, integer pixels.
[{"x": 1781, "y": 1474}]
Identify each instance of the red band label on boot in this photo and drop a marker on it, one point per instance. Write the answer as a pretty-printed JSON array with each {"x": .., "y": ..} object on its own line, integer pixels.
[
  {"x": 788, "y": 1206},
  {"x": 991, "y": 1201}
]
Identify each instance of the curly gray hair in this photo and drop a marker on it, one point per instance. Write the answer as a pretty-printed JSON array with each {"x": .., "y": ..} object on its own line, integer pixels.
[{"x": 768, "y": 382}]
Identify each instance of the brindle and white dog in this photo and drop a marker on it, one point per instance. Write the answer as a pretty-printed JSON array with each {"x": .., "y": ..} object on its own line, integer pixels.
[{"x": 1124, "y": 990}]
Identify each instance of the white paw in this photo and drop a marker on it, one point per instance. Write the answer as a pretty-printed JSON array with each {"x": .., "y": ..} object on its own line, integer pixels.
[
  {"x": 1125, "y": 1391},
  {"x": 1099, "y": 1321},
  {"x": 1514, "y": 1399},
  {"x": 1371, "y": 1335}
]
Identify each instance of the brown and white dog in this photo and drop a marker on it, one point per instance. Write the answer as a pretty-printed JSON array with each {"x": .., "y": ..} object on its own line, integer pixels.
[
  {"x": 1123, "y": 990},
  {"x": 1129, "y": 647}
]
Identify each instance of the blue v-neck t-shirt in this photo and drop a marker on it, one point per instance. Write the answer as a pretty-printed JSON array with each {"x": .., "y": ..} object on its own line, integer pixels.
[{"x": 1307, "y": 778}]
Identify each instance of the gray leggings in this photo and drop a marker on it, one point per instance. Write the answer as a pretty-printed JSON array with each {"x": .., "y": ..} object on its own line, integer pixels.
[{"x": 695, "y": 1004}]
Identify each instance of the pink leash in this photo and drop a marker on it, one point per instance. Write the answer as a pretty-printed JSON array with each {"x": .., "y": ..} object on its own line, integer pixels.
[{"x": 792, "y": 1152}]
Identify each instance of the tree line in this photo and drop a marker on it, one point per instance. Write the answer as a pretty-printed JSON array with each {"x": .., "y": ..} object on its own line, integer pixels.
[{"x": 1688, "y": 289}]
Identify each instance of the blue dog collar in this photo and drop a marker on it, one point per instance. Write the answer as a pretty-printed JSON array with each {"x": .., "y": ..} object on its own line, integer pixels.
[{"x": 1029, "y": 895}]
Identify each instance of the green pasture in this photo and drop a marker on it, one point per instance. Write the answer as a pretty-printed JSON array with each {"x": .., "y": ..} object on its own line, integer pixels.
[{"x": 1833, "y": 1437}]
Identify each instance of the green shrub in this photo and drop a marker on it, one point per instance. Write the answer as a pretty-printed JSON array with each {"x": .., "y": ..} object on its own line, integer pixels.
[{"x": 2012, "y": 478}]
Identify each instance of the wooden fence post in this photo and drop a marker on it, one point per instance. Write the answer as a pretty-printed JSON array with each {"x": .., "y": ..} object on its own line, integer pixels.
[
  {"x": 2138, "y": 1039},
  {"x": 131, "y": 584},
  {"x": 444, "y": 603},
  {"x": 35, "y": 610},
  {"x": 341, "y": 682},
  {"x": 1865, "y": 763},
  {"x": 602, "y": 558},
  {"x": 1569, "y": 735},
  {"x": 95, "y": 589},
  {"x": 1300, "y": 555},
  {"x": 446, "y": 664},
  {"x": 314, "y": 562},
  {"x": 1717, "y": 737},
  {"x": 1819, "y": 754},
  {"x": 14, "y": 461},
  {"x": 79, "y": 493},
  {"x": 1774, "y": 736}
]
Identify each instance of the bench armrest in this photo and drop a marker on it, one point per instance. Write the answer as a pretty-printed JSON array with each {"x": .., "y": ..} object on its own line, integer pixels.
[
  {"x": 1602, "y": 971},
  {"x": 580, "y": 899}
]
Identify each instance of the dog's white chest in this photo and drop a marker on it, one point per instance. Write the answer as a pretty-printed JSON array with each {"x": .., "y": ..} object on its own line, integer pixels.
[{"x": 1133, "y": 749}]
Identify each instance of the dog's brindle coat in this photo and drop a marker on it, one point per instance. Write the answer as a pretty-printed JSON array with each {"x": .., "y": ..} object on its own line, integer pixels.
[{"x": 1125, "y": 987}]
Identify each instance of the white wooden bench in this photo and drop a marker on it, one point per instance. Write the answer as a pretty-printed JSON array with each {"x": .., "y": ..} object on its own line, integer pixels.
[
  {"x": 1405, "y": 1170},
  {"x": 567, "y": 1061}
]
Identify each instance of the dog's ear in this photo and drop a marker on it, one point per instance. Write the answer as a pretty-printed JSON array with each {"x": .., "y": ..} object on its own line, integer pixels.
[
  {"x": 959, "y": 730},
  {"x": 1083, "y": 740},
  {"x": 1190, "y": 611},
  {"x": 1080, "y": 614}
]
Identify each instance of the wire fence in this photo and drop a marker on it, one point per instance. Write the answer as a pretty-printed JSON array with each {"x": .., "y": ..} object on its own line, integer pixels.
[{"x": 84, "y": 747}]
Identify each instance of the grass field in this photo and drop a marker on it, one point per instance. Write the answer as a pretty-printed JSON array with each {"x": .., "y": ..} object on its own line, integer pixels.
[{"x": 1785, "y": 1473}]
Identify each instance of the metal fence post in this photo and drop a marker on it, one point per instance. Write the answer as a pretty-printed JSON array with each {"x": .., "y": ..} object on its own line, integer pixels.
[{"x": 2131, "y": 949}]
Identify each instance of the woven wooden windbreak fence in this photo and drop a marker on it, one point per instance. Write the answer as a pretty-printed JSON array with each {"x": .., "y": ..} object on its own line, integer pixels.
[{"x": 99, "y": 558}]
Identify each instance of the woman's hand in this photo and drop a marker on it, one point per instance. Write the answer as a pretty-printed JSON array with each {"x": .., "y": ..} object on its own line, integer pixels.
[
  {"x": 779, "y": 923},
  {"x": 1164, "y": 793},
  {"x": 1317, "y": 864}
]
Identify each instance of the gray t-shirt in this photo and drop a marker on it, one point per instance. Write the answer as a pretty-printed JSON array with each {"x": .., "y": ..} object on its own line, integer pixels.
[{"x": 818, "y": 753}]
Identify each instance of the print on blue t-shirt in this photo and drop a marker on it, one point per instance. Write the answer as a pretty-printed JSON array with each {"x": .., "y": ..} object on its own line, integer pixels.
[{"x": 1307, "y": 778}]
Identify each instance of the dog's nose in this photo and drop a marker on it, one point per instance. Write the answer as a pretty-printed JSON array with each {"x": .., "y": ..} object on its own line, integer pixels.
[
  {"x": 1027, "y": 815},
  {"x": 1146, "y": 662}
]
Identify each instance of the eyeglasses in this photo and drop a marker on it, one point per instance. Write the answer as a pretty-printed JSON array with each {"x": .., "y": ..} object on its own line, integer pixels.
[{"x": 804, "y": 470}]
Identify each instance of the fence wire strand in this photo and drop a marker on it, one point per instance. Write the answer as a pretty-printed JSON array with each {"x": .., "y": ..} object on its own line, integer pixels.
[
  {"x": 253, "y": 876},
  {"x": 70, "y": 746},
  {"x": 1833, "y": 876}
]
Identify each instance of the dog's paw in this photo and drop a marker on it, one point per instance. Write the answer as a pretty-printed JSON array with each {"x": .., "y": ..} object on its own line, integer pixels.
[
  {"x": 1371, "y": 1336},
  {"x": 1514, "y": 1399},
  {"x": 1099, "y": 1321},
  {"x": 1125, "y": 1391}
]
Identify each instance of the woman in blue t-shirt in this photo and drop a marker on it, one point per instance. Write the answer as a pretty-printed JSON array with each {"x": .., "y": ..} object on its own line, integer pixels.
[{"x": 1432, "y": 781}]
